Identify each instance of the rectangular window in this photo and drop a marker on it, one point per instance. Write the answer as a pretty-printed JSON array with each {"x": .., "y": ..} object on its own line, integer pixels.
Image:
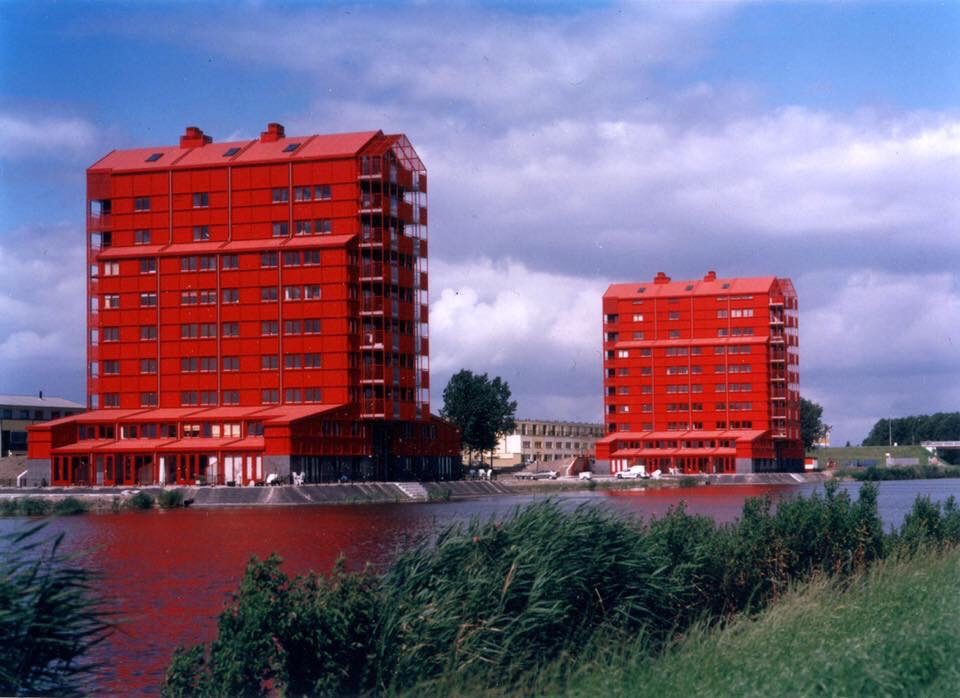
[
  {"x": 623, "y": 353},
  {"x": 292, "y": 396},
  {"x": 188, "y": 297},
  {"x": 208, "y": 297},
  {"x": 291, "y": 259},
  {"x": 148, "y": 399},
  {"x": 292, "y": 361},
  {"x": 201, "y": 199},
  {"x": 721, "y": 314},
  {"x": 230, "y": 152},
  {"x": 638, "y": 335},
  {"x": 231, "y": 295},
  {"x": 201, "y": 233},
  {"x": 208, "y": 330},
  {"x": 268, "y": 259},
  {"x": 674, "y": 315},
  {"x": 638, "y": 317},
  {"x": 141, "y": 237},
  {"x": 111, "y": 399},
  {"x": 208, "y": 263},
  {"x": 148, "y": 265},
  {"x": 270, "y": 397},
  {"x": 311, "y": 326},
  {"x": 311, "y": 257},
  {"x": 722, "y": 332},
  {"x": 148, "y": 366},
  {"x": 673, "y": 334},
  {"x": 268, "y": 362},
  {"x": 311, "y": 360},
  {"x": 311, "y": 293},
  {"x": 291, "y": 327},
  {"x": 148, "y": 299},
  {"x": 231, "y": 363},
  {"x": 268, "y": 328},
  {"x": 148, "y": 332},
  {"x": 111, "y": 368},
  {"x": 268, "y": 294},
  {"x": 141, "y": 203},
  {"x": 188, "y": 364},
  {"x": 292, "y": 293},
  {"x": 188, "y": 264},
  {"x": 208, "y": 397},
  {"x": 301, "y": 227},
  {"x": 322, "y": 226},
  {"x": 189, "y": 330},
  {"x": 229, "y": 261},
  {"x": 111, "y": 268},
  {"x": 280, "y": 195},
  {"x": 112, "y": 301},
  {"x": 231, "y": 397},
  {"x": 231, "y": 329},
  {"x": 302, "y": 194},
  {"x": 322, "y": 192},
  {"x": 280, "y": 229},
  {"x": 188, "y": 398}
]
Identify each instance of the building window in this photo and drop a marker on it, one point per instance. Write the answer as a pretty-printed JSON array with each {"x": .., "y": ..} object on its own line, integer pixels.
[
  {"x": 268, "y": 362},
  {"x": 268, "y": 294},
  {"x": 673, "y": 334},
  {"x": 322, "y": 192},
  {"x": 141, "y": 203},
  {"x": 188, "y": 364},
  {"x": 301, "y": 227},
  {"x": 280, "y": 195},
  {"x": 721, "y": 314},
  {"x": 231, "y": 363},
  {"x": 638, "y": 317},
  {"x": 111, "y": 268},
  {"x": 208, "y": 263},
  {"x": 148, "y": 265},
  {"x": 111, "y": 400},
  {"x": 111, "y": 367},
  {"x": 188, "y": 297},
  {"x": 201, "y": 233},
  {"x": 148, "y": 399},
  {"x": 311, "y": 326},
  {"x": 291, "y": 327},
  {"x": 269, "y": 396},
  {"x": 188, "y": 330},
  {"x": 292, "y": 396},
  {"x": 231, "y": 397},
  {"x": 231, "y": 295},
  {"x": 311, "y": 360},
  {"x": 302, "y": 194},
  {"x": 188, "y": 264},
  {"x": 208, "y": 397},
  {"x": 111, "y": 301},
  {"x": 208, "y": 330},
  {"x": 208, "y": 296},
  {"x": 311, "y": 293},
  {"x": 230, "y": 261},
  {"x": 311, "y": 257},
  {"x": 141, "y": 237},
  {"x": 292, "y": 293},
  {"x": 268, "y": 328},
  {"x": 280, "y": 229},
  {"x": 322, "y": 226},
  {"x": 201, "y": 199},
  {"x": 268, "y": 259},
  {"x": 188, "y": 398},
  {"x": 230, "y": 152},
  {"x": 291, "y": 147},
  {"x": 674, "y": 315},
  {"x": 311, "y": 395},
  {"x": 148, "y": 332},
  {"x": 231, "y": 329},
  {"x": 292, "y": 361},
  {"x": 148, "y": 366},
  {"x": 291, "y": 259}
]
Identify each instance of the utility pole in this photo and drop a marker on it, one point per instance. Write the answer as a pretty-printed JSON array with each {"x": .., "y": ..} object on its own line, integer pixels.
[{"x": 889, "y": 432}]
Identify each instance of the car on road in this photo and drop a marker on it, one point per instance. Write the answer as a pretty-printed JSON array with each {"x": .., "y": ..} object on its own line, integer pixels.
[
  {"x": 542, "y": 475},
  {"x": 634, "y": 472}
]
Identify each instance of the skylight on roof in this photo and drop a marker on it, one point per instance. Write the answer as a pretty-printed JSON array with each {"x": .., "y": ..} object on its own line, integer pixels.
[
  {"x": 290, "y": 148},
  {"x": 641, "y": 289},
  {"x": 690, "y": 288},
  {"x": 725, "y": 286},
  {"x": 154, "y": 157},
  {"x": 231, "y": 152}
]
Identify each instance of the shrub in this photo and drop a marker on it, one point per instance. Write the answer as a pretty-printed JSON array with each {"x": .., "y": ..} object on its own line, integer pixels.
[
  {"x": 33, "y": 506},
  {"x": 49, "y": 618},
  {"x": 8, "y": 506},
  {"x": 141, "y": 500},
  {"x": 170, "y": 499},
  {"x": 70, "y": 506}
]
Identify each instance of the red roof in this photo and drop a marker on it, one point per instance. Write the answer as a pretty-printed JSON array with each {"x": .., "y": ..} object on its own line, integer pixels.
[{"x": 717, "y": 287}]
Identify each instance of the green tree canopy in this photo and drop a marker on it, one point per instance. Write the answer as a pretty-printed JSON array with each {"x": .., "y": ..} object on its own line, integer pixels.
[
  {"x": 812, "y": 428},
  {"x": 480, "y": 407},
  {"x": 942, "y": 426}
]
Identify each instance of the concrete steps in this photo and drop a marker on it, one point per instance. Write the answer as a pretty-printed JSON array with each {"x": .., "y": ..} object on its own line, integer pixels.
[{"x": 413, "y": 490}]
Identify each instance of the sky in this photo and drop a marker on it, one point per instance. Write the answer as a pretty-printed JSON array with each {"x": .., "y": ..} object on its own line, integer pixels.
[{"x": 569, "y": 145}]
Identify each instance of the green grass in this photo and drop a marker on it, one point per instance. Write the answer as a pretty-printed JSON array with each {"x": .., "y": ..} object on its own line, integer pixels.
[
  {"x": 878, "y": 453},
  {"x": 895, "y": 630}
]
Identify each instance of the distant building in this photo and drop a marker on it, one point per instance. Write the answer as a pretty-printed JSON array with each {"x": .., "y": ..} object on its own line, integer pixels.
[
  {"x": 546, "y": 440},
  {"x": 17, "y": 412},
  {"x": 255, "y": 307},
  {"x": 702, "y": 375}
]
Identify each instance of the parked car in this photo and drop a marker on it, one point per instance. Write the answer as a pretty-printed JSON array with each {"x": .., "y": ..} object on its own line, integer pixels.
[
  {"x": 634, "y": 472},
  {"x": 542, "y": 475},
  {"x": 586, "y": 475}
]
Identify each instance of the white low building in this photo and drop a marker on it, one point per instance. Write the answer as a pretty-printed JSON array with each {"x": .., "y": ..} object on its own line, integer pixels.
[{"x": 547, "y": 440}]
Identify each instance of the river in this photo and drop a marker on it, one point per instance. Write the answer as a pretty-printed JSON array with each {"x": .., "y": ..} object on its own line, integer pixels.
[{"x": 168, "y": 573}]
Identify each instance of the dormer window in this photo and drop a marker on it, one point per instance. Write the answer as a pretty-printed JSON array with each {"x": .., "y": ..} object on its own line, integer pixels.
[
  {"x": 290, "y": 148},
  {"x": 154, "y": 157}
]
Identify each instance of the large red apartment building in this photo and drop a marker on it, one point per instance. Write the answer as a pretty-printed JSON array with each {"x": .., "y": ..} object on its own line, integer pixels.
[
  {"x": 701, "y": 376},
  {"x": 255, "y": 307}
]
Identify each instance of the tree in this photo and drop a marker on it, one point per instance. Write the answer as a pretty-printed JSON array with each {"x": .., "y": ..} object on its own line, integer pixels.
[
  {"x": 812, "y": 428},
  {"x": 480, "y": 407}
]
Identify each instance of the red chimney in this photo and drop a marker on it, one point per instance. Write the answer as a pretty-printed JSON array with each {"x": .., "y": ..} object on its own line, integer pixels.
[
  {"x": 193, "y": 137},
  {"x": 661, "y": 278},
  {"x": 710, "y": 276},
  {"x": 273, "y": 133}
]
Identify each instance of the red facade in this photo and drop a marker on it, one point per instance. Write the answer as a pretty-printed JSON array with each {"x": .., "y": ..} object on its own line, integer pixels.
[
  {"x": 702, "y": 375},
  {"x": 256, "y": 307}
]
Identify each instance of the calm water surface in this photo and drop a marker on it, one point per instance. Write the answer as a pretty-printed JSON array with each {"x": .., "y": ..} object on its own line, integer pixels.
[{"x": 168, "y": 573}]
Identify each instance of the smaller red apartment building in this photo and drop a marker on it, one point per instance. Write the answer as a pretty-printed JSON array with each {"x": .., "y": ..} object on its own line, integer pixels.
[
  {"x": 701, "y": 376},
  {"x": 255, "y": 307}
]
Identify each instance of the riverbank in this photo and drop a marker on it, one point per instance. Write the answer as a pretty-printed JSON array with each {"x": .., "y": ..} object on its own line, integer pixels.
[{"x": 111, "y": 499}]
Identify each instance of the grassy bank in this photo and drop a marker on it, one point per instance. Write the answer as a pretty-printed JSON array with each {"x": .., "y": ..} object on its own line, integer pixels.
[
  {"x": 500, "y": 605},
  {"x": 894, "y": 630},
  {"x": 910, "y": 472}
]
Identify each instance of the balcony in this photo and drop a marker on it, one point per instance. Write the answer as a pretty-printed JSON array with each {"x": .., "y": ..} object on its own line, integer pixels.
[
  {"x": 370, "y": 271},
  {"x": 371, "y": 340},
  {"x": 372, "y": 305},
  {"x": 371, "y": 374},
  {"x": 371, "y": 203}
]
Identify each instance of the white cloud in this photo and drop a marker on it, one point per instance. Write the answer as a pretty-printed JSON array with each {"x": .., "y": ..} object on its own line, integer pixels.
[{"x": 25, "y": 136}]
